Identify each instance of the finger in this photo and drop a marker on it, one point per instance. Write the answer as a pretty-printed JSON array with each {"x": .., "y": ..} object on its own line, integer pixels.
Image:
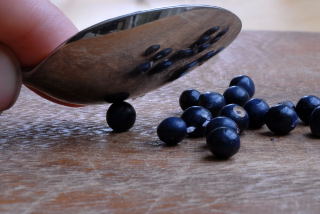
[
  {"x": 33, "y": 28},
  {"x": 10, "y": 81}
]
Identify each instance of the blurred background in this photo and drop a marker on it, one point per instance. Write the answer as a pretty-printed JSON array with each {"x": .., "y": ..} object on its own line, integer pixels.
[{"x": 282, "y": 15}]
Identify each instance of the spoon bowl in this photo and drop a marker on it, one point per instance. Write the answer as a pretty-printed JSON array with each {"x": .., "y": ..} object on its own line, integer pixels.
[{"x": 128, "y": 56}]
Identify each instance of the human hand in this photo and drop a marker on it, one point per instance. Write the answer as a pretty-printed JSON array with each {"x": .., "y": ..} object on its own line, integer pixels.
[{"x": 30, "y": 30}]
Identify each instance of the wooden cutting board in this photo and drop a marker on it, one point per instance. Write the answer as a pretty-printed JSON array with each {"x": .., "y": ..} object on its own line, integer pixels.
[{"x": 55, "y": 159}]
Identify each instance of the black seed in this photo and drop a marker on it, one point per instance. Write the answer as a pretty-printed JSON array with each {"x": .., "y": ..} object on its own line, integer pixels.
[
  {"x": 244, "y": 82},
  {"x": 219, "y": 36},
  {"x": 203, "y": 47},
  {"x": 189, "y": 98},
  {"x": 257, "y": 110},
  {"x": 223, "y": 142},
  {"x": 237, "y": 95},
  {"x": 305, "y": 106},
  {"x": 288, "y": 103},
  {"x": 209, "y": 55},
  {"x": 202, "y": 40},
  {"x": 151, "y": 50},
  {"x": 190, "y": 65},
  {"x": 142, "y": 68},
  {"x": 161, "y": 66},
  {"x": 182, "y": 54},
  {"x": 212, "y": 101},
  {"x": 223, "y": 32},
  {"x": 195, "y": 117},
  {"x": 218, "y": 122},
  {"x": 281, "y": 119},
  {"x": 182, "y": 71},
  {"x": 211, "y": 31},
  {"x": 162, "y": 54},
  {"x": 121, "y": 116},
  {"x": 237, "y": 114},
  {"x": 172, "y": 130},
  {"x": 315, "y": 122}
]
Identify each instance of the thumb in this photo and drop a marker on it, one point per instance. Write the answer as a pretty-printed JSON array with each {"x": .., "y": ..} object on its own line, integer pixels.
[{"x": 10, "y": 78}]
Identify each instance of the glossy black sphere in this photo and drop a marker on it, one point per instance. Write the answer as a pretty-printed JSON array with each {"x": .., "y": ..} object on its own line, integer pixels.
[
  {"x": 189, "y": 98},
  {"x": 288, "y": 103},
  {"x": 195, "y": 118},
  {"x": 223, "y": 142},
  {"x": 281, "y": 119},
  {"x": 315, "y": 122},
  {"x": 305, "y": 106},
  {"x": 244, "y": 82},
  {"x": 212, "y": 101},
  {"x": 257, "y": 110},
  {"x": 172, "y": 130},
  {"x": 237, "y": 114},
  {"x": 236, "y": 95},
  {"x": 218, "y": 122},
  {"x": 121, "y": 116}
]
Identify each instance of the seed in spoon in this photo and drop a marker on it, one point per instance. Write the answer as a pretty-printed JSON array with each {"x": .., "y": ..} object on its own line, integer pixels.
[{"x": 152, "y": 49}]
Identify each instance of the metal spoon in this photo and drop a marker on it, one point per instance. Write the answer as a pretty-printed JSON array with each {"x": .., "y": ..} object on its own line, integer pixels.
[{"x": 133, "y": 54}]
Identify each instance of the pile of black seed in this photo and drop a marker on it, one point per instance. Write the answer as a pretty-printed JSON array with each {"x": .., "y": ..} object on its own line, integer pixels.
[{"x": 222, "y": 118}]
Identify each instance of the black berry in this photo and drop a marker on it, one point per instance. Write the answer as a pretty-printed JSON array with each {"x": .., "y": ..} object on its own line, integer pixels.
[
  {"x": 305, "y": 106},
  {"x": 256, "y": 109},
  {"x": 315, "y": 122},
  {"x": 244, "y": 82},
  {"x": 212, "y": 101},
  {"x": 172, "y": 130},
  {"x": 218, "y": 122},
  {"x": 195, "y": 118},
  {"x": 288, "y": 103},
  {"x": 189, "y": 98},
  {"x": 121, "y": 116},
  {"x": 237, "y": 114},
  {"x": 223, "y": 142},
  {"x": 281, "y": 119},
  {"x": 236, "y": 95}
]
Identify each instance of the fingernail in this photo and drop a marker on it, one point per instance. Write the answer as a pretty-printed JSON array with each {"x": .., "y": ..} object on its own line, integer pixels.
[{"x": 10, "y": 78}]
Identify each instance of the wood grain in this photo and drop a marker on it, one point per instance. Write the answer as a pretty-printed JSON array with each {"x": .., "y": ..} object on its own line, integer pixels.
[{"x": 55, "y": 159}]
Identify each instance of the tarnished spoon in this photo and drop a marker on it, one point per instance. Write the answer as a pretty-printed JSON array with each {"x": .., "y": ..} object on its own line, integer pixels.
[{"x": 133, "y": 54}]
